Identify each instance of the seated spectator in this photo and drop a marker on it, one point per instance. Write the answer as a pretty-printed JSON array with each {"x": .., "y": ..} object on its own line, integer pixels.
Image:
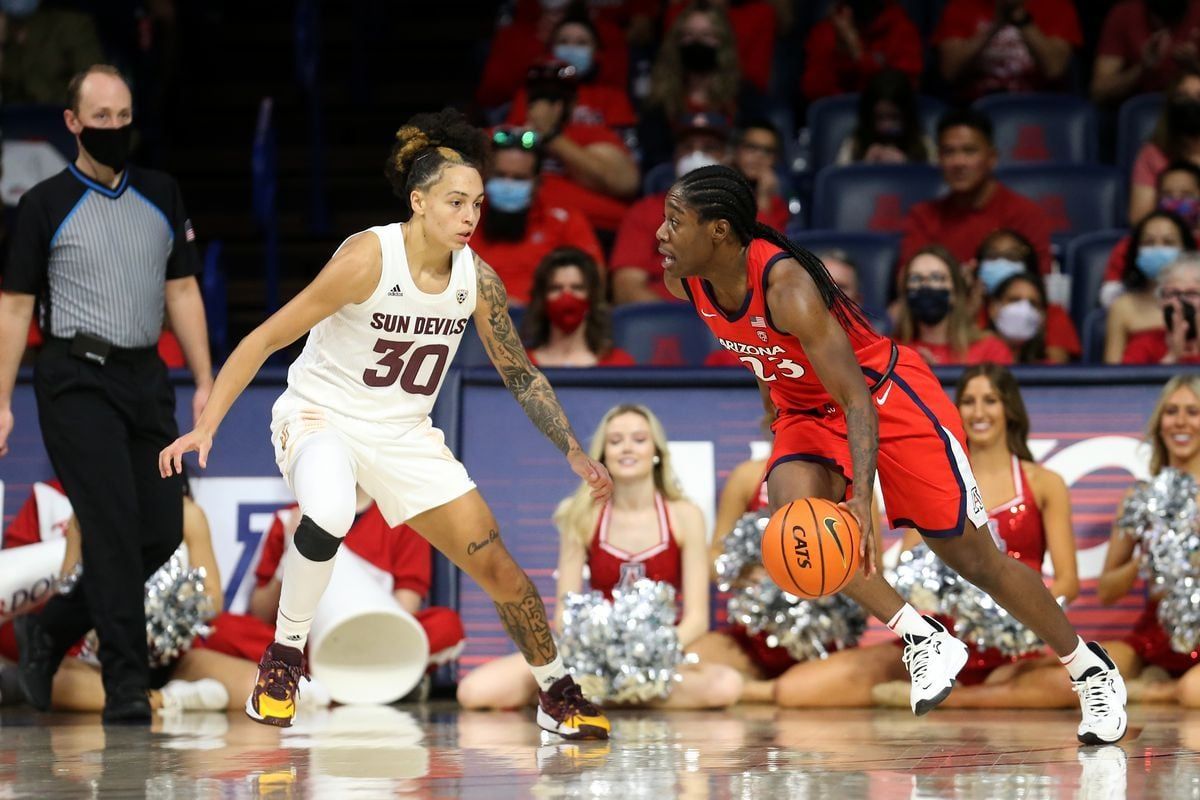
[
  {"x": 933, "y": 317},
  {"x": 525, "y": 40},
  {"x": 976, "y": 203},
  {"x": 855, "y": 42},
  {"x": 1175, "y": 138},
  {"x": 585, "y": 167},
  {"x": 756, "y": 155},
  {"x": 1161, "y": 237},
  {"x": 987, "y": 46},
  {"x": 1179, "y": 300},
  {"x": 754, "y": 24},
  {"x": 575, "y": 41},
  {"x": 568, "y": 323},
  {"x": 888, "y": 130},
  {"x": 1178, "y": 191},
  {"x": 1006, "y": 254},
  {"x": 43, "y": 48},
  {"x": 701, "y": 140},
  {"x": 1143, "y": 46},
  {"x": 1016, "y": 313},
  {"x": 696, "y": 70},
  {"x": 519, "y": 226}
]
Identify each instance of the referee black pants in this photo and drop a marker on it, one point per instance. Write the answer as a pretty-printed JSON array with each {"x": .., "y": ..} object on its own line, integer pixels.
[{"x": 103, "y": 427}]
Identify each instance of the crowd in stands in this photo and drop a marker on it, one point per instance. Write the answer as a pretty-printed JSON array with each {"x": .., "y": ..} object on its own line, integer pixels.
[{"x": 970, "y": 139}]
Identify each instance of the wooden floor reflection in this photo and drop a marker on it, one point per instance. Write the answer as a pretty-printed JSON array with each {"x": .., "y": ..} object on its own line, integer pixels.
[{"x": 437, "y": 751}]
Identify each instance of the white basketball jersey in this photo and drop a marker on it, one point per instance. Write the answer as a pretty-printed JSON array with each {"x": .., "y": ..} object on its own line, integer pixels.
[{"x": 384, "y": 359}]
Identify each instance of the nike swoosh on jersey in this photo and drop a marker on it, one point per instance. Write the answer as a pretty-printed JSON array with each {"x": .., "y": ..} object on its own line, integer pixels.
[{"x": 883, "y": 397}]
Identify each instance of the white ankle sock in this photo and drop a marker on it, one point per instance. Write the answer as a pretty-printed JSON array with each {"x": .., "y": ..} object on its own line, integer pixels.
[
  {"x": 1081, "y": 659},
  {"x": 908, "y": 622},
  {"x": 547, "y": 675},
  {"x": 304, "y": 581}
]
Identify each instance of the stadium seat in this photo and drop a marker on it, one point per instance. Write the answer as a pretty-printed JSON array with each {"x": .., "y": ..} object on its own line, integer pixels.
[
  {"x": 471, "y": 352},
  {"x": 1092, "y": 335},
  {"x": 1076, "y": 198},
  {"x": 659, "y": 178},
  {"x": 832, "y": 119},
  {"x": 1135, "y": 123},
  {"x": 1036, "y": 128},
  {"x": 873, "y": 253},
  {"x": 662, "y": 334},
  {"x": 871, "y": 197},
  {"x": 1086, "y": 260}
]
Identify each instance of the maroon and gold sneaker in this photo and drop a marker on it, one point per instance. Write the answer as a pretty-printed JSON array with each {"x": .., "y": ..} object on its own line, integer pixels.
[
  {"x": 562, "y": 709},
  {"x": 273, "y": 700}
]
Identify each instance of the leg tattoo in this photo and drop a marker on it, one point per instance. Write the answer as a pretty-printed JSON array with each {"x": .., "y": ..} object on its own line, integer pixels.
[{"x": 526, "y": 624}]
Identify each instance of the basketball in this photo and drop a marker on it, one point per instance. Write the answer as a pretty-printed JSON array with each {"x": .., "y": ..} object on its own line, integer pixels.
[{"x": 810, "y": 547}]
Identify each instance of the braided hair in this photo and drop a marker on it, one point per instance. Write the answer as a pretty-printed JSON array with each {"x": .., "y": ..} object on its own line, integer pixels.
[
  {"x": 425, "y": 146},
  {"x": 719, "y": 192}
]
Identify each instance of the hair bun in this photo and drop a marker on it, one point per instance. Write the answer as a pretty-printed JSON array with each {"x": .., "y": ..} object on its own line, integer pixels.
[{"x": 410, "y": 141}]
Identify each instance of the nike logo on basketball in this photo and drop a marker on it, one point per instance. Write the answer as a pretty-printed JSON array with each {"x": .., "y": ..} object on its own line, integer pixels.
[
  {"x": 883, "y": 397},
  {"x": 396, "y": 291},
  {"x": 831, "y": 527}
]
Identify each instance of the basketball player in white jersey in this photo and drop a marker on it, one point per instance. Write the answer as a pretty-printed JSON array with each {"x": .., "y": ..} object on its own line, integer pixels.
[{"x": 386, "y": 315}]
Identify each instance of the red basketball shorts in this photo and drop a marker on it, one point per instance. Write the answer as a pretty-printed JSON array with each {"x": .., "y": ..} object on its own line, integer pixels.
[{"x": 923, "y": 468}]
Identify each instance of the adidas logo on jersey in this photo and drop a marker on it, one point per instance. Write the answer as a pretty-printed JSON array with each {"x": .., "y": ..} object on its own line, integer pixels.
[{"x": 396, "y": 291}]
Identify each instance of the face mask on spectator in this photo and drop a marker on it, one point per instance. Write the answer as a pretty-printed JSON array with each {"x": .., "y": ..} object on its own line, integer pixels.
[
  {"x": 929, "y": 306},
  {"x": 698, "y": 57},
  {"x": 109, "y": 146},
  {"x": 1018, "y": 321},
  {"x": 567, "y": 311},
  {"x": 19, "y": 8},
  {"x": 578, "y": 56},
  {"x": 693, "y": 160},
  {"x": 995, "y": 271},
  {"x": 1183, "y": 115},
  {"x": 1186, "y": 207},
  {"x": 1153, "y": 259},
  {"x": 509, "y": 194}
]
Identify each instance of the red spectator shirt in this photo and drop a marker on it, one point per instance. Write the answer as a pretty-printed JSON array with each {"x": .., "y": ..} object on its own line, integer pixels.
[
  {"x": 595, "y": 104},
  {"x": 401, "y": 552},
  {"x": 890, "y": 41},
  {"x": 987, "y": 349},
  {"x": 960, "y": 230},
  {"x": 616, "y": 357},
  {"x": 636, "y": 246},
  {"x": 1126, "y": 30},
  {"x": 1006, "y": 64},
  {"x": 754, "y": 25},
  {"x": 603, "y": 211},
  {"x": 1150, "y": 347},
  {"x": 548, "y": 227}
]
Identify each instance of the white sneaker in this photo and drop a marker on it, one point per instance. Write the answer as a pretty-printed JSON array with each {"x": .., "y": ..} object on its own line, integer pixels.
[
  {"x": 933, "y": 663},
  {"x": 205, "y": 694},
  {"x": 1102, "y": 697},
  {"x": 1103, "y": 774}
]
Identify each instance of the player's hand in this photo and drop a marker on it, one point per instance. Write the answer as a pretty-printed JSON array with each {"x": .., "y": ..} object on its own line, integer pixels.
[
  {"x": 170, "y": 460},
  {"x": 593, "y": 473},
  {"x": 868, "y": 548},
  {"x": 6, "y": 428}
]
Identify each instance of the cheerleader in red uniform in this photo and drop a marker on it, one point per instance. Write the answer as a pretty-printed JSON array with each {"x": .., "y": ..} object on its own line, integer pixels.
[{"x": 649, "y": 528}]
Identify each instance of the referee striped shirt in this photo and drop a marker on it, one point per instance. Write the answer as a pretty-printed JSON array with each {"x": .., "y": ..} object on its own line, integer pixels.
[{"x": 98, "y": 258}]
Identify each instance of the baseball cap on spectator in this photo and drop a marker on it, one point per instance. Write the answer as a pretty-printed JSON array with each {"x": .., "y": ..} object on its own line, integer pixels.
[{"x": 705, "y": 122}]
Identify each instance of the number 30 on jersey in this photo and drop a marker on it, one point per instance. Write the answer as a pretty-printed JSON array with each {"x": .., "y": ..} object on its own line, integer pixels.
[{"x": 778, "y": 367}]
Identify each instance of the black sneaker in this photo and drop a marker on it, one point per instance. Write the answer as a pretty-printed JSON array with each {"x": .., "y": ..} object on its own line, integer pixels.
[
  {"x": 126, "y": 707},
  {"x": 37, "y": 660}
]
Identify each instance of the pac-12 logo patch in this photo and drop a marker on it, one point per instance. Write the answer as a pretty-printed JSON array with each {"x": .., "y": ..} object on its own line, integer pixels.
[
  {"x": 762, "y": 335},
  {"x": 461, "y": 295}
]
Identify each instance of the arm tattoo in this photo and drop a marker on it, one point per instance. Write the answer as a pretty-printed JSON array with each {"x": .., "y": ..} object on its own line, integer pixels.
[
  {"x": 525, "y": 381},
  {"x": 862, "y": 428},
  {"x": 526, "y": 624}
]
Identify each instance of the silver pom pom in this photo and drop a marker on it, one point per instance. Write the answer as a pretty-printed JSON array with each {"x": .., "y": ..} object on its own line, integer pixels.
[
  {"x": 924, "y": 580},
  {"x": 743, "y": 549},
  {"x": 627, "y": 650}
]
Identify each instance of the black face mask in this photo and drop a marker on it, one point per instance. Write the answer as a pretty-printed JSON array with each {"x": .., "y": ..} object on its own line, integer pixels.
[
  {"x": 698, "y": 57},
  {"x": 108, "y": 146},
  {"x": 1184, "y": 117},
  {"x": 929, "y": 306},
  {"x": 1189, "y": 319},
  {"x": 505, "y": 226}
]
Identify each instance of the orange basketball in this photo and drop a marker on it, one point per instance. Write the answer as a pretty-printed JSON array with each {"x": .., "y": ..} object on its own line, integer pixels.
[{"x": 810, "y": 547}]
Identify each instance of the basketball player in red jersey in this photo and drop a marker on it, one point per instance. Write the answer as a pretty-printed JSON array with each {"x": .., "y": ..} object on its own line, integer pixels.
[{"x": 845, "y": 397}]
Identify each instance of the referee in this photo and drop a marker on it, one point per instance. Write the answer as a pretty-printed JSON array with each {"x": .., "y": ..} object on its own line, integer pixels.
[{"x": 103, "y": 247}]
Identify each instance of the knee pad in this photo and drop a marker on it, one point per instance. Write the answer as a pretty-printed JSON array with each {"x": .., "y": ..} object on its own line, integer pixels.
[{"x": 315, "y": 543}]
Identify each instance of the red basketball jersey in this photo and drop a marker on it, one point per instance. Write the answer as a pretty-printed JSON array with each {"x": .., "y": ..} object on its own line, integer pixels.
[{"x": 776, "y": 358}]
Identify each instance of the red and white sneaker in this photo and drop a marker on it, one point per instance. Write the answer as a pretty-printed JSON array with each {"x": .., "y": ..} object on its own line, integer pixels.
[
  {"x": 562, "y": 709},
  {"x": 273, "y": 700}
]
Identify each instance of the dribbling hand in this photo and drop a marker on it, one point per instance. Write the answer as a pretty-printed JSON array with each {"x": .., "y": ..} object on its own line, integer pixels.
[
  {"x": 170, "y": 460},
  {"x": 593, "y": 473},
  {"x": 868, "y": 548}
]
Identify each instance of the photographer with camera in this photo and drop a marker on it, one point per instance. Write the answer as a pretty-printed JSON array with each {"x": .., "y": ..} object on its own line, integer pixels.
[{"x": 1179, "y": 298}]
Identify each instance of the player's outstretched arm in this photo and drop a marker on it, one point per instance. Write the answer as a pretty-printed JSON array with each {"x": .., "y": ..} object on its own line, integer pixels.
[
  {"x": 349, "y": 277},
  {"x": 526, "y": 382},
  {"x": 797, "y": 308}
]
